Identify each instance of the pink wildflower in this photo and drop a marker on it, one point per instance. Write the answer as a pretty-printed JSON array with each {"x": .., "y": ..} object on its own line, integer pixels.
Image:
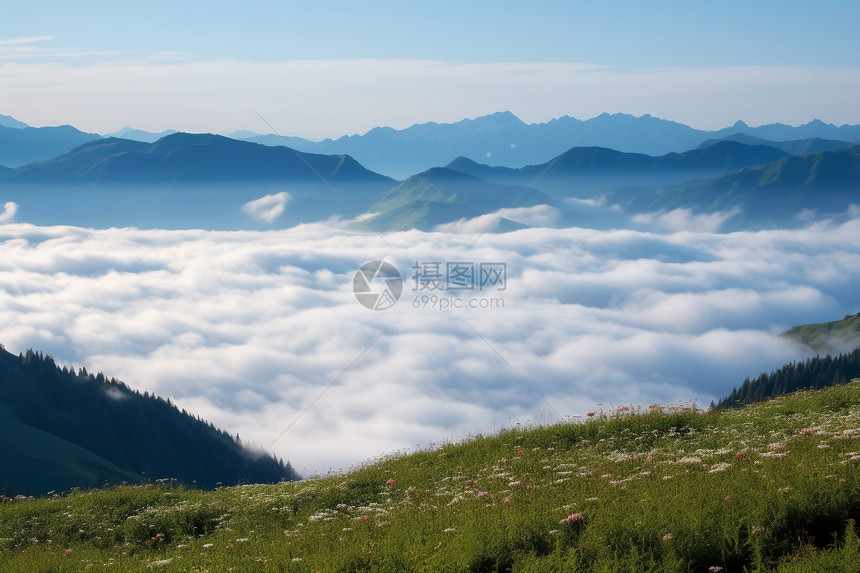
[
  {"x": 806, "y": 432},
  {"x": 67, "y": 553},
  {"x": 389, "y": 482},
  {"x": 668, "y": 537},
  {"x": 366, "y": 518},
  {"x": 574, "y": 517},
  {"x": 590, "y": 414},
  {"x": 507, "y": 501}
]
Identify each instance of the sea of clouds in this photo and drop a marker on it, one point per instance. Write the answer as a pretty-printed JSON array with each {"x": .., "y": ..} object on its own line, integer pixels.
[{"x": 260, "y": 333}]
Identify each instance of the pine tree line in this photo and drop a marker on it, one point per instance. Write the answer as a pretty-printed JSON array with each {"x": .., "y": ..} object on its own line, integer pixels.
[
  {"x": 142, "y": 433},
  {"x": 814, "y": 373}
]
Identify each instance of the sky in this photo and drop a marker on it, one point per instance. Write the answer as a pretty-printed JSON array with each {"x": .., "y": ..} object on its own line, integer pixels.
[{"x": 325, "y": 69}]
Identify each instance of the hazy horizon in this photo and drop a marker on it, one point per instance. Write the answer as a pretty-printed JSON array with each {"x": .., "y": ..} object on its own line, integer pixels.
[{"x": 318, "y": 72}]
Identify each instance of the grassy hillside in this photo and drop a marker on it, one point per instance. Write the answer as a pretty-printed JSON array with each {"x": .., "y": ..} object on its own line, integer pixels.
[
  {"x": 772, "y": 486},
  {"x": 828, "y": 336}
]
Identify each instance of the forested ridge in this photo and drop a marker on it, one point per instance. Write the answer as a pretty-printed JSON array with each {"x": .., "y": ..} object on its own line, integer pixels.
[
  {"x": 142, "y": 433},
  {"x": 813, "y": 373}
]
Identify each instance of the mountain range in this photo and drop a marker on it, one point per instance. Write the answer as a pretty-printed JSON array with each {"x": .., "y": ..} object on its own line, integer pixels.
[
  {"x": 19, "y": 146},
  {"x": 502, "y": 139},
  {"x": 498, "y": 139},
  {"x": 63, "y": 429},
  {"x": 190, "y": 158},
  {"x": 212, "y": 181}
]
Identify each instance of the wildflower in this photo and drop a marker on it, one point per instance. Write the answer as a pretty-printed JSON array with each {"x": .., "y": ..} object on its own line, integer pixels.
[
  {"x": 806, "y": 432},
  {"x": 67, "y": 553},
  {"x": 590, "y": 414},
  {"x": 740, "y": 454},
  {"x": 366, "y": 518},
  {"x": 507, "y": 501},
  {"x": 471, "y": 482},
  {"x": 411, "y": 489},
  {"x": 668, "y": 537},
  {"x": 389, "y": 482},
  {"x": 715, "y": 569},
  {"x": 449, "y": 530},
  {"x": 207, "y": 545},
  {"x": 756, "y": 529},
  {"x": 482, "y": 494},
  {"x": 296, "y": 559},
  {"x": 574, "y": 517},
  {"x": 159, "y": 537}
]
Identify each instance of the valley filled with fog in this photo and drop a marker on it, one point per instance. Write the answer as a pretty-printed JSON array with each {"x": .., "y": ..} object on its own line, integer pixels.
[{"x": 260, "y": 332}]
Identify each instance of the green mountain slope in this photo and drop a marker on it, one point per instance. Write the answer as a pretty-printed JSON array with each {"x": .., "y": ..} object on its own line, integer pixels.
[
  {"x": 828, "y": 336},
  {"x": 774, "y": 193},
  {"x": 442, "y": 195},
  {"x": 772, "y": 486}
]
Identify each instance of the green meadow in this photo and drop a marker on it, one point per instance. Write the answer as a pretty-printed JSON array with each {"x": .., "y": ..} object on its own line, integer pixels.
[{"x": 774, "y": 486}]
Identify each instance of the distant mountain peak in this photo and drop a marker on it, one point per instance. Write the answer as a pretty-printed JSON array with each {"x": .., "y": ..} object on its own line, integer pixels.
[{"x": 740, "y": 125}]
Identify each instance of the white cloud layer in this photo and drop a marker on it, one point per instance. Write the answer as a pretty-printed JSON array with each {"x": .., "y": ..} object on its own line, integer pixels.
[
  {"x": 260, "y": 333},
  {"x": 685, "y": 220}
]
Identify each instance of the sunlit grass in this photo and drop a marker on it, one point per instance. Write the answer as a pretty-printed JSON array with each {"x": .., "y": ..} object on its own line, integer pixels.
[{"x": 773, "y": 486}]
